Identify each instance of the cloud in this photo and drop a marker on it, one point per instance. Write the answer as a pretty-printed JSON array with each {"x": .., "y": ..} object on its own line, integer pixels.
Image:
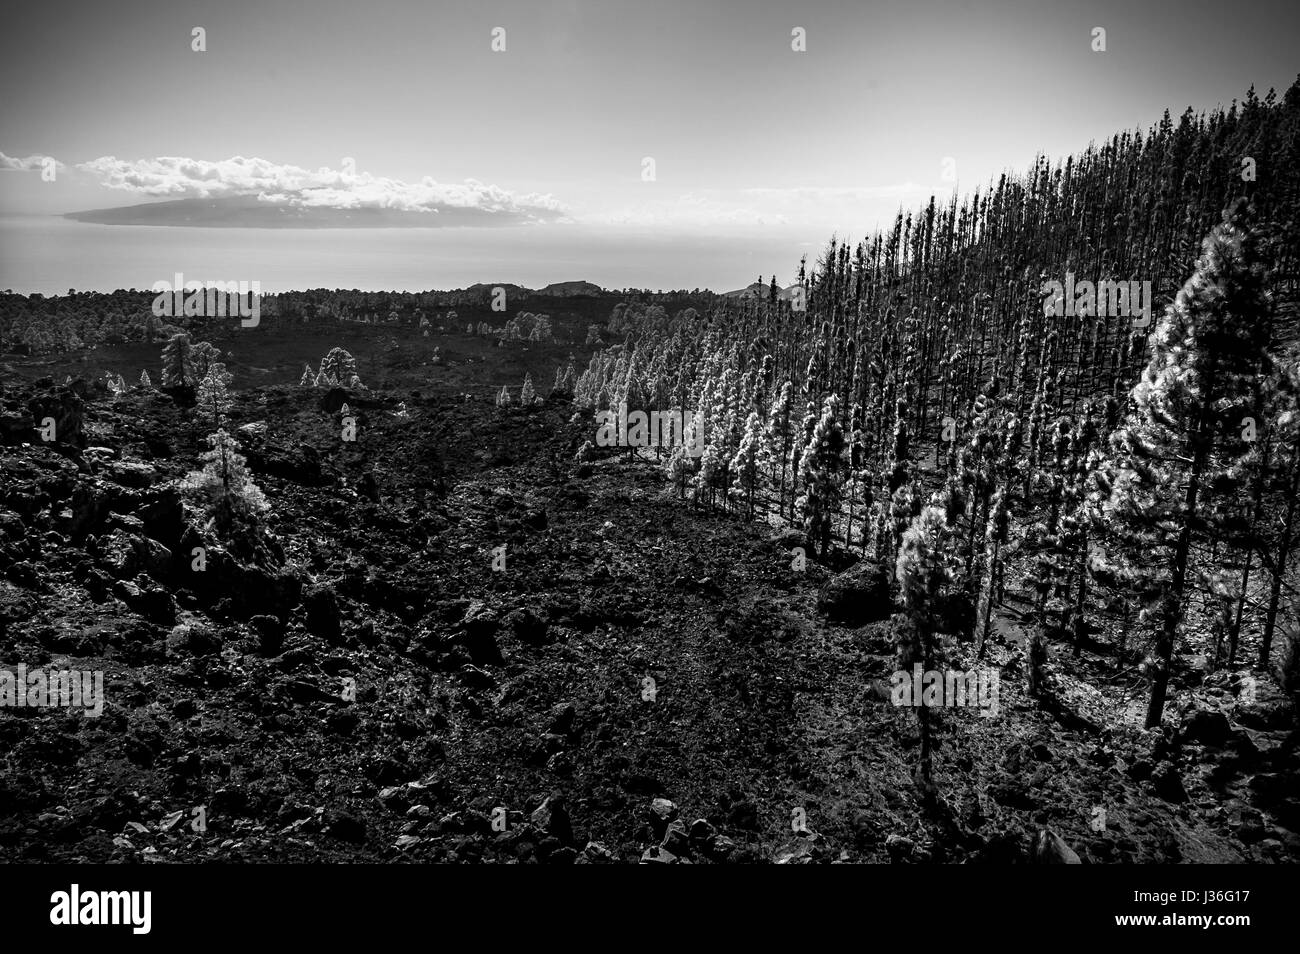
[
  {"x": 176, "y": 177},
  {"x": 30, "y": 164}
]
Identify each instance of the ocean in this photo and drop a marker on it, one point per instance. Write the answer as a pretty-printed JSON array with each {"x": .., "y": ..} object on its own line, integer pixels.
[{"x": 50, "y": 254}]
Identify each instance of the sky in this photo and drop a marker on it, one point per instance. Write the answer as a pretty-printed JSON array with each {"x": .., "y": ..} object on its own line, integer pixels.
[{"x": 746, "y": 134}]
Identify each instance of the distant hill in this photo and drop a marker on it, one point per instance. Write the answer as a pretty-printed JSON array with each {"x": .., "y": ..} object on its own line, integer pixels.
[
  {"x": 553, "y": 290},
  {"x": 485, "y": 289},
  {"x": 571, "y": 289},
  {"x": 759, "y": 290},
  {"x": 245, "y": 211}
]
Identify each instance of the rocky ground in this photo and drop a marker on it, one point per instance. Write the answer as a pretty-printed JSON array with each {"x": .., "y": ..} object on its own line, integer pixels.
[{"x": 640, "y": 682}]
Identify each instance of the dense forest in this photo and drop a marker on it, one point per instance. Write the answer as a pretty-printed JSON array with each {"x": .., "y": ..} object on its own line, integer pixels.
[{"x": 927, "y": 403}]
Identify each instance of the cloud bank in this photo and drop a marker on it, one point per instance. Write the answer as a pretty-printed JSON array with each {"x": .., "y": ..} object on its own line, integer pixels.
[
  {"x": 176, "y": 177},
  {"x": 30, "y": 164}
]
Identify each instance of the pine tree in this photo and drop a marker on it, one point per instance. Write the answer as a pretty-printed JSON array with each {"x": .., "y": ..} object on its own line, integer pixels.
[
  {"x": 338, "y": 367},
  {"x": 178, "y": 363},
  {"x": 744, "y": 466},
  {"x": 527, "y": 397},
  {"x": 778, "y": 440},
  {"x": 925, "y": 574},
  {"x": 681, "y": 467},
  {"x": 145, "y": 381},
  {"x": 503, "y": 397},
  {"x": 204, "y": 355},
  {"x": 1281, "y": 532},
  {"x": 308, "y": 378},
  {"x": 821, "y": 470},
  {"x": 213, "y": 396},
  {"x": 797, "y": 446},
  {"x": 1175, "y": 462},
  {"x": 225, "y": 482}
]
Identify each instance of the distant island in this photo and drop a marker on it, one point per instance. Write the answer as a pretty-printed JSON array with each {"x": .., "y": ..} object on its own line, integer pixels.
[{"x": 250, "y": 212}]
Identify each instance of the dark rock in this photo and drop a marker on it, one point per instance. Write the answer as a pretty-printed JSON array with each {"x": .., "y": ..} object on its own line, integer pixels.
[
  {"x": 1167, "y": 783},
  {"x": 334, "y": 399},
  {"x": 368, "y": 487},
  {"x": 98, "y": 584},
  {"x": 475, "y": 678},
  {"x": 347, "y": 828},
  {"x": 901, "y": 849},
  {"x": 153, "y": 603},
  {"x": 1209, "y": 727},
  {"x": 1270, "y": 788},
  {"x": 1051, "y": 849},
  {"x": 701, "y": 832},
  {"x": 163, "y": 516},
  {"x": 17, "y": 429},
  {"x": 229, "y": 801},
  {"x": 596, "y": 854},
  {"x": 527, "y": 626},
  {"x": 553, "y": 818},
  {"x": 26, "y": 575},
  {"x": 562, "y": 718},
  {"x": 1139, "y": 770},
  {"x": 131, "y": 474},
  {"x": 676, "y": 839},
  {"x": 12, "y": 526},
  {"x": 1272, "y": 715},
  {"x": 270, "y": 634},
  {"x": 660, "y": 812},
  {"x": 1013, "y": 796},
  {"x": 67, "y": 410},
  {"x": 323, "y": 619},
  {"x": 659, "y": 856},
  {"x": 1003, "y": 848},
  {"x": 342, "y": 721},
  {"x": 119, "y": 556},
  {"x": 1251, "y": 827},
  {"x": 194, "y": 639},
  {"x": 857, "y": 596},
  {"x": 478, "y": 635}
]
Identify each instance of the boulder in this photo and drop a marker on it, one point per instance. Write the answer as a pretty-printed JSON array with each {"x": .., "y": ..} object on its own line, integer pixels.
[
  {"x": 660, "y": 814},
  {"x": 1167, "y": 783},
  {"x": 323, "y": 617},
  {"x": 152, "y": 602},
  {"x": 1051, "y": 849},
  {"x": 857, "y": 596},
  {"x": 67, "y": 410},
  {"x": 478, "y": 634},
  {"x": 1209, "y": 727},
  {"x": 552, "y": 817},
  {"x": 335, "y": 398},
  {"x": 17, "y": 428},
  {"x": 193, "y": 639},
  {"x": 131, "y": 474},
  {"x": 163, "y": 516},
  {"x": 527, "y": 627}
]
